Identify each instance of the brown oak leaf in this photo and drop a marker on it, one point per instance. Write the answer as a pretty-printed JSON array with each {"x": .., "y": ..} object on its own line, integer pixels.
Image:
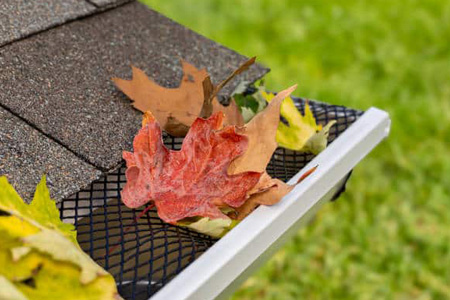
[
  {"x": 275, "y": 190},
  {"x": 261, "y": 133},
  {"x": 177, "y": 108},
  {"x": 269, "y": 197}
]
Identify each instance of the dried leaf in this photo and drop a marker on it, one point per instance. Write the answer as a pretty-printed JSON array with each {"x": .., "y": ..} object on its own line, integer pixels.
[
  {"x": 265, "y": 182},
  {"x": 238, "y": 71},
  {"x": 306, "y": 174},
  {"x": 270, "y": 197},
  {"x": 177, "y": 108},
  {"x": 39, "y": 254},
  {"x": 208, "y": 90},
  {"x": 189, "y": 191},
  {"x": 302, "y": 132},
  {"x": 261, "y": 133},
  {"x": 274, "y": 192},
  {"x": 232, "y": 114},
  {"x": 190, "y": 182}
]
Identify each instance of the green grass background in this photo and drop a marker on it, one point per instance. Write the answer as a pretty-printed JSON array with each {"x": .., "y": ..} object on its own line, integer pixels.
[{"x": 388, "y": 237}]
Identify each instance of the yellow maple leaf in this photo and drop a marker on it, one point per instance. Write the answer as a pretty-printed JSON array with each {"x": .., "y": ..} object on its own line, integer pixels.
[
  {"x": 39, "y": 255},
  {"x": 302, "y": 133}
]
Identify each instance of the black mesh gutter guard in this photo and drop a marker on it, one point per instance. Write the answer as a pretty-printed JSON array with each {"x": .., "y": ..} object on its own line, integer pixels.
[{"x": 144, "y": 256}]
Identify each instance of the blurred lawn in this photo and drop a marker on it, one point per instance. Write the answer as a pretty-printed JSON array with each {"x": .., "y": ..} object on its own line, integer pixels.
[{"x": 388, "y": 237}]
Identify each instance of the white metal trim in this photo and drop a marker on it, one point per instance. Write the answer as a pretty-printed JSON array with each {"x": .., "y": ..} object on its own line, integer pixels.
[{"x": 213, "y": 272}]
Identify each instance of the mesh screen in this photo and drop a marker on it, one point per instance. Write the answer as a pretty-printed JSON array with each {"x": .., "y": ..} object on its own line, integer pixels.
[{"x": 144, "y": 255}]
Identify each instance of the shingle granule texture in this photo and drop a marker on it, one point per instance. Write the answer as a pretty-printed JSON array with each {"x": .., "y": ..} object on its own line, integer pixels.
[
  {"x": 20, "y": 18},
  {"x": 26, "y": 154},
  {"x": 59, "y": 80}
]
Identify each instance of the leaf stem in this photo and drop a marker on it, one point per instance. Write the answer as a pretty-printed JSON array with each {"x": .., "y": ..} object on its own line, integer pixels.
[{"x": 128, "y": 228}]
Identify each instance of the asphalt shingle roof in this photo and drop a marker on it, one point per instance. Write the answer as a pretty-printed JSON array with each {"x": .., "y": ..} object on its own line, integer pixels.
[
  {"x": 20, "y": 18},
  {"x": 26, "y": 154},
  {"x": 58, "y": 81}
]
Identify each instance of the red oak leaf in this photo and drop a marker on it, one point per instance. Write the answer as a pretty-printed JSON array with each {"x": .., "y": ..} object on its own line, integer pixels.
[{"x": 190, "y": 182}]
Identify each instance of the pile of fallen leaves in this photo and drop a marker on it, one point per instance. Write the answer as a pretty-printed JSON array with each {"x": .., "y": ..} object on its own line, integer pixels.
[
  {"x": 216, "y": 179},
  {"x": 219, "y": 175},
  {"x": 39, "y": 254}
]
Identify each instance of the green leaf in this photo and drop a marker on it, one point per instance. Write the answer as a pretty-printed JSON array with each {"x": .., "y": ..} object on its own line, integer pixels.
[
  {"x": 247, "y": 114},
  {"x": 40, "y": 256},
  {"x": 46, "y": 212},
  {"x": 247, "y": 102},
  {"x": 249, "y": 105},
  {"x": 318, "y": 141},
  {"x": 42, "y": 209}
]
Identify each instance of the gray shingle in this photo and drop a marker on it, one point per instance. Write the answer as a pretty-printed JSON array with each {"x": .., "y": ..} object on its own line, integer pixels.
[
  {"x": 20, "y": 18},
  {"x": 59, "y": 80},
  {"x": 26, "y": 154}
]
